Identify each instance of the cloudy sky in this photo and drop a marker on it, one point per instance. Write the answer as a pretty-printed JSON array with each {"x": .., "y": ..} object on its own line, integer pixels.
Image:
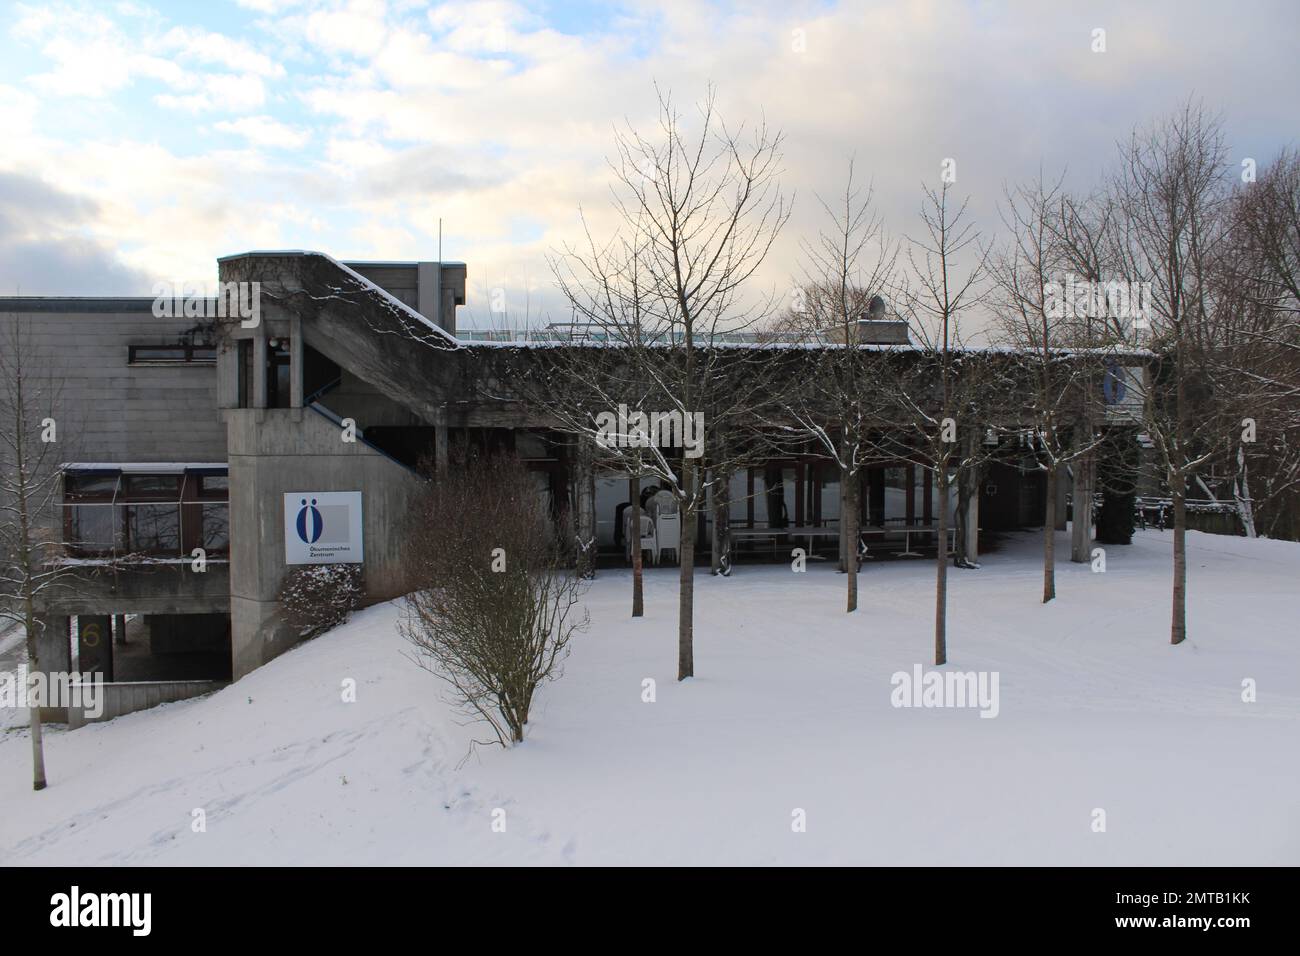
[{"x": 143, "y": 140}]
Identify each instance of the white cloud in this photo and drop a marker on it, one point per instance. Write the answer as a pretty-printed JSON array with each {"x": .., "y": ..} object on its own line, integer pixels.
[
  {"x": 266, "y": 132},
  {"x": 220, "y": 93},
  {"x": 203, "y": 46},
  {"x": 357, "y": 27},
  {"x": 487, "y": 116}
]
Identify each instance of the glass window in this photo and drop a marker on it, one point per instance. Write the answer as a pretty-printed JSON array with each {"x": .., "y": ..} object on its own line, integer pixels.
[
  {"x": 214, "y": 486},
  {"x": 738, "y": 495},
  {"x": 896, "y": 495},
  {"x": 277, "y": 378},
  {"x": 152, "y": 487},
  {"x": 90, "y": 484},
  {"x": 92, "y": 528},
  {"x": 830, "y": 494},
  {"x": 153, "y": 529},
  {"x": 216, "y": 528}
]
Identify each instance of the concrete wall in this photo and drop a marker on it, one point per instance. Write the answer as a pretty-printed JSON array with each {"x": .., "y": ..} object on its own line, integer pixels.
[
  {"x": 110, "y": 410},
  {"x": 126, "y": 698},
  {"x": 141, "y": 589},
  {"x": 274, "y": 451}
]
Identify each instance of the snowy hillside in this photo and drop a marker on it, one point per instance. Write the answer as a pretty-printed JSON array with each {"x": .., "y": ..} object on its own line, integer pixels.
[{"x": 791, "y": 710}]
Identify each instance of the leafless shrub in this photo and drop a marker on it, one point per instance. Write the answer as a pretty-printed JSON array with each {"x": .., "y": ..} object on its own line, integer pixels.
[{"x": 493, "y": 604}]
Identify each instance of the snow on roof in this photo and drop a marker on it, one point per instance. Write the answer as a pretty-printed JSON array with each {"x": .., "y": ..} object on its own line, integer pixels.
[
  {"x": 392, "y": 300},
  {"x": 1127, "y": 353}
]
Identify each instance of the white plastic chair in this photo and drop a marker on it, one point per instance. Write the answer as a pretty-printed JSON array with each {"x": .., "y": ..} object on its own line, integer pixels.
[
  {"x": 668, "y": 530},
  {"x": 649, "y": 539}
]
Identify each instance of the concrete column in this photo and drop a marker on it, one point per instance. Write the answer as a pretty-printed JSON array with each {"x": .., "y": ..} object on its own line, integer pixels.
[
  {"x": 53, "y": 653},
  {"x": 428, "y": 291},
  {"x": 973, "y": 526},
  {"x": 295, "y": 362},
  {"x": 1081, "y": 530},
  {"x": 259, "y": 371},
  {"x": 54, "y": 644}
]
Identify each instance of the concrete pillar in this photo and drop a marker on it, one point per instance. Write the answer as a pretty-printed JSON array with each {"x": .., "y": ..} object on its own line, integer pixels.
[
  {"x": 295, "y": 362},
  {"x": 54, "y": 643},
  {"x": 259, "y": 371},
  {"x": 428, "y": 292},
  {"x": 53, "y": 653},
  {"x": 972, "y": 518},
  {"x": 1081, "y": 530}
]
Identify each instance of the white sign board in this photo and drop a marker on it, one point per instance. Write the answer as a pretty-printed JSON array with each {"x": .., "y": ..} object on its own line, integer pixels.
[
  {"x": 322, "y": 527},
  {"x": 1123, "y": 392}
]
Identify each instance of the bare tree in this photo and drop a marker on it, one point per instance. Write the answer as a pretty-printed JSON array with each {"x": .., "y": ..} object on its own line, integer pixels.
[
  {"x": 493, "y": 606},
  {"x": 30, "y": 483},
  {"x": 1063, "y": 357},
  {"x": 839, "y": 405},
  {"x": 1261, "y": 275},
  {"x": 939, "y": 394},
  {"x": 1170, "y": 198},
  {"x": 698, "y": 211}
]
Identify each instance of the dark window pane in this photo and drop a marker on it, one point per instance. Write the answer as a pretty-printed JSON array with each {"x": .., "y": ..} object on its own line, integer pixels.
[
  {"x": 158, "y": 353},
  {"x": 216, "y": 528},
  {"x": 153, "y": 529},
  {"x": 90, "y": 484},
  {"x": 214, "y": 486},
  {"x": 91, "y": 528},
  {"x": 152, "y": 486},
  {"x": 245, "y": 373}
]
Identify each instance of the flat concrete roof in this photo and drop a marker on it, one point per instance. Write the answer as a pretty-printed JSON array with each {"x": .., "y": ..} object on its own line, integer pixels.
[{"x": 45, "y": 303}]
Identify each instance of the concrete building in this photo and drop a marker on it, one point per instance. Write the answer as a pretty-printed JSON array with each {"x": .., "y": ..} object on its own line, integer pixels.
[{"x": 300, "y": 435}]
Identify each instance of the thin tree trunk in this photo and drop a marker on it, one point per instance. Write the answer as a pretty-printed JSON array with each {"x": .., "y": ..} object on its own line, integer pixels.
[
  {"x": 584, "y": 494},
  {"x": 844, "y": 517},
  {"x": 26, "y": 535},
  {"x": 1245, "y": 507},
  {"x": 686, "y": 597},
  {"x": 719, "y": 561},
  {"x": 1178, "y": 489},
  {"x": 634, "y": 533},
  {"x": 941, "y": 574},
  {"x": 849, "y": 532},
  {"x": 38, "y": 743},
  {"x": 1049, "y": 535},
  {"x": 1178, "y": 627}
]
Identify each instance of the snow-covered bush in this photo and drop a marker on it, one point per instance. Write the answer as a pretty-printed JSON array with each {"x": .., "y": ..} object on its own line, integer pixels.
[{"x": 316, "y": 597}]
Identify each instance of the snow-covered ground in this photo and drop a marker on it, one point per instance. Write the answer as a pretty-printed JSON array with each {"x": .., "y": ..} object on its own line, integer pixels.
[{"x": 791, "y": 710}]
